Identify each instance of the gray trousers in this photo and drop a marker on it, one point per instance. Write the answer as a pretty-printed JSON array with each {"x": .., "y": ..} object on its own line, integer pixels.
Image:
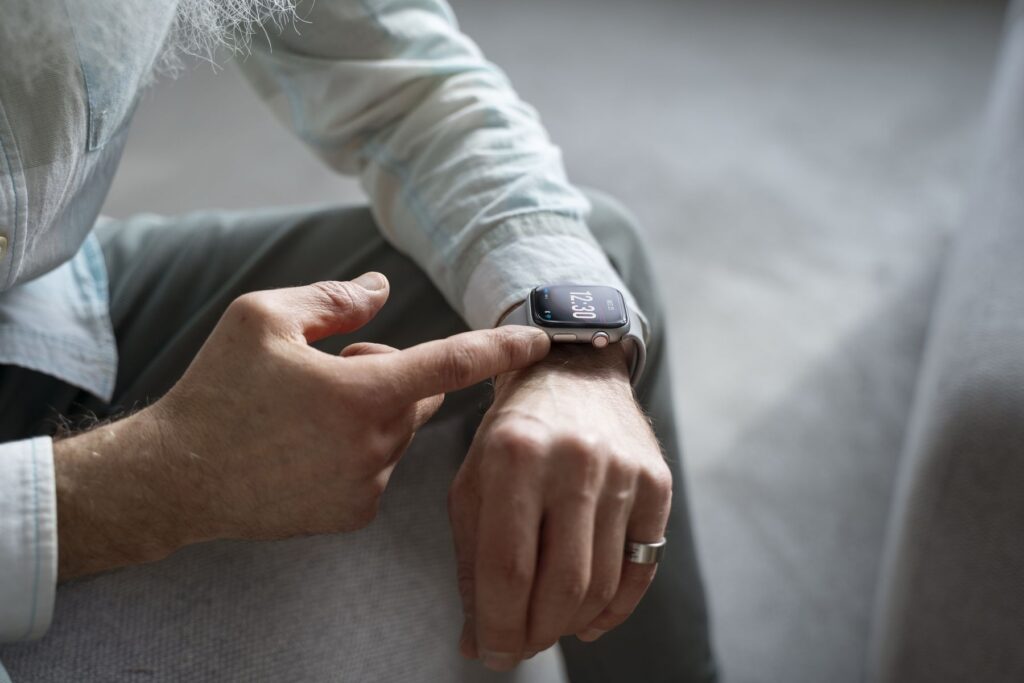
[{"x": 380, "y": 604}]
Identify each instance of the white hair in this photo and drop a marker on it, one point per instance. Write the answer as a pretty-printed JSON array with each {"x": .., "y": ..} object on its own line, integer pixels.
[
  {"x": 31, "y": 31},
  {"x": 203, "y": 27}
]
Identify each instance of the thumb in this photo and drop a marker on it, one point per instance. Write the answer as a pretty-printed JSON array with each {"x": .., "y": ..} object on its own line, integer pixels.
[{"x": 332, "y": 307}]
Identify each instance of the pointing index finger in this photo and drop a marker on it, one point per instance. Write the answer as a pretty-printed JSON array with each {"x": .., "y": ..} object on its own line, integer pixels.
[{"x": 460, "y": 361}]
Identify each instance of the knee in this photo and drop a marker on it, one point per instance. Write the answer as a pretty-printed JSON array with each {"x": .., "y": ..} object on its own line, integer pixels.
[{"x": 618, "y": 232}]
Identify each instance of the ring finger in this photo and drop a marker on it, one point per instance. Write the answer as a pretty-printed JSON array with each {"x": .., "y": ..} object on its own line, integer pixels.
[{"x": 646, "y": 525}]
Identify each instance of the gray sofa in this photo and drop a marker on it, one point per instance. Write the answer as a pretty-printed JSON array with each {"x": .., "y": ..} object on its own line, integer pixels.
[{"x": 951, "y": 601}]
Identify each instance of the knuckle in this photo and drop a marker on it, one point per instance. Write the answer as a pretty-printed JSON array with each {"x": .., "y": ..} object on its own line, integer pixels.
[
  {"x": 249, "y": 308},
  {"x": 658, "y": 480},
  {"x": 516, "y": 441},
  {"x": 458, "y": 365},
  {"x": 580, "y": 446},
  {"x": 570, "y": 586},
  {"x": 510, "y": 572},
  {"x": 583, "y": 454},
  {"x": 340, "y": 295},
  {"x": 624, "y": 471},
  {"x": 513, "y": 457},
  {"x": 602, "y": 593}
]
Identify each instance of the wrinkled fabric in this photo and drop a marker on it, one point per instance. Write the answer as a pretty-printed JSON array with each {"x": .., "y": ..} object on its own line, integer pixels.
[{"x": 28, "y": 540}]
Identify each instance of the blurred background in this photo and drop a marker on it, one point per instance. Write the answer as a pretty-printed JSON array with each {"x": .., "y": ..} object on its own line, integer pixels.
[{"x": 797, "y": 167}]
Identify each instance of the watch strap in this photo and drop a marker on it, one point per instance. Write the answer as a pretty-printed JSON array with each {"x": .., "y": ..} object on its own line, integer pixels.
[
  {"x": 639, "y": 355},
  {"x": 517, "y": 316},
  {"x": 520, "y": 315}
]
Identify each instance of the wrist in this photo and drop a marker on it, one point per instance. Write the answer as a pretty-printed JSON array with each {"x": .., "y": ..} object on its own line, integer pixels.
[
  {"x": 571, "y": 364},
  {"x": 586, "y": 315},
  {"x": 116, "y": 502}
]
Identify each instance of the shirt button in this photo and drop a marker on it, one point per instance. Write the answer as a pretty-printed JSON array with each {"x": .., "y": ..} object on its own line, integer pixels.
[{"x": 3, "y": 247}]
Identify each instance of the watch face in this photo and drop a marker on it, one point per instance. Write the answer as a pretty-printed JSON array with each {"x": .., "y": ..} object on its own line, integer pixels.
[{"x": 578, "y": 306}]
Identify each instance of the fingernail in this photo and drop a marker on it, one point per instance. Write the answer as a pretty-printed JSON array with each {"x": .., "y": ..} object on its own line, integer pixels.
[
  {"x": 525, "y": 332},
  {"x": 499, "y": 661},
  {"x": 372, "y": 282},
  {"x": 591, "y": 634}
]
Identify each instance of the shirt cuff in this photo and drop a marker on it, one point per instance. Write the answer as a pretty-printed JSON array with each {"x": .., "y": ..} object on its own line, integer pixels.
[
  {"x": 28, "y": 539},
  {"x": 526, "y": 252}
]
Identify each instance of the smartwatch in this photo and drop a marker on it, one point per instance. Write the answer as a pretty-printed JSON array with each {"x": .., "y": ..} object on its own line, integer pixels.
[{"x": 583, "y": 314}]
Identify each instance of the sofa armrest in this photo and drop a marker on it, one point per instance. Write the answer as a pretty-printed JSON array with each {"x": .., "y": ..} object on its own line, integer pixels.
[{"x": 951, "y": 597}]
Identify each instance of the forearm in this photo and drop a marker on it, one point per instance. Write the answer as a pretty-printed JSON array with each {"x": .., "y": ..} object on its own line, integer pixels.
[
  {"x": 116, "y": 503},
  {"x": 459, "y": 170}
]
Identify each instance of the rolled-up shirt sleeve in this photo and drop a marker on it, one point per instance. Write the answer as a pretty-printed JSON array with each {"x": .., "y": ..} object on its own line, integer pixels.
[
  {"x": 461, "y": 175},
  {"x": 28, "y": 539}
]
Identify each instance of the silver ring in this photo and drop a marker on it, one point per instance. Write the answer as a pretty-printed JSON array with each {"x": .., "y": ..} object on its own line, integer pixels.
[{"x": 645, "y": 553}]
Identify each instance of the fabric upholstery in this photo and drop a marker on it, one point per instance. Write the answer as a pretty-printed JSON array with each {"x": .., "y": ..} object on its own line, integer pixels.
[{"x": 951, "y": 603}]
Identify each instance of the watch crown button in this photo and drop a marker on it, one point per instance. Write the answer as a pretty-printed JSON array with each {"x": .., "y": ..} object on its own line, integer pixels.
[
  {"x": 599, "y": 340},
  {"x": 563, "y": 337}
]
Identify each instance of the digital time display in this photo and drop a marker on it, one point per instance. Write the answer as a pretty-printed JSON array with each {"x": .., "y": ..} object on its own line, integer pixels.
[{"x": 578, "y": 306}]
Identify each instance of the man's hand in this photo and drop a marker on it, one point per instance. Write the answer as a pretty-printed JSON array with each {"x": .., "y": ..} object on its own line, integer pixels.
[
  {"x": 563, "y": 469},
  {"x": 264, "y": 436}
]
